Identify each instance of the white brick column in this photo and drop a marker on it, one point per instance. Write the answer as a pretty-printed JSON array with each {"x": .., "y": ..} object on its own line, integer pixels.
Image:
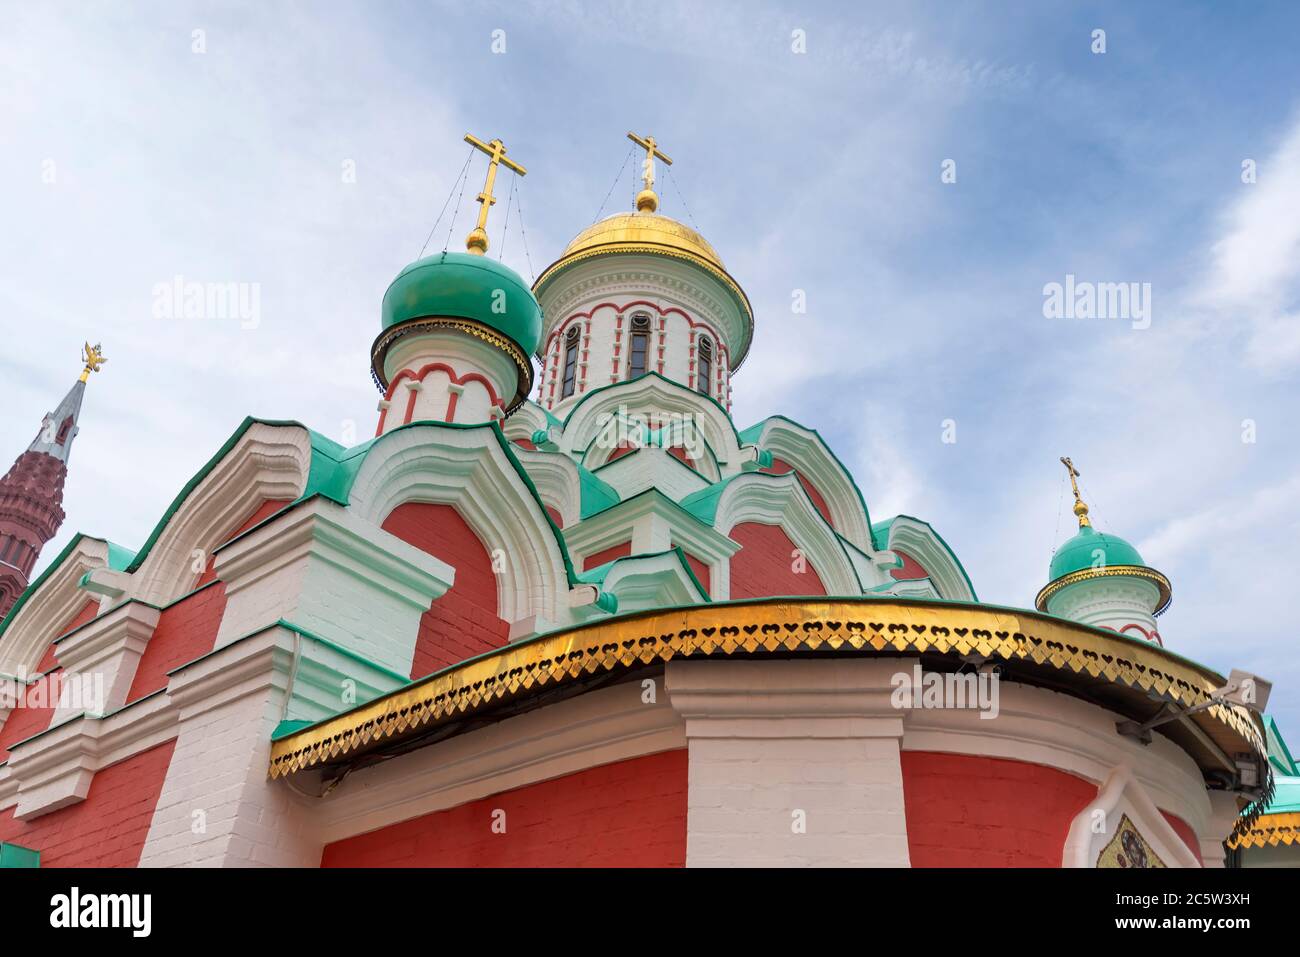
[
  {"x": 217, "y": 807},
  {"x": 791, "y": 763}
]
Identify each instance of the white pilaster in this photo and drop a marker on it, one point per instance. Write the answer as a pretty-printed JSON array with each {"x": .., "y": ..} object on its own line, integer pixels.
[{"x": 791, "y": 763}]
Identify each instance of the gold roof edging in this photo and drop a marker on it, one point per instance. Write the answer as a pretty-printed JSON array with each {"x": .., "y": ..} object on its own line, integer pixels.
[{"x": 756, "y": 628}]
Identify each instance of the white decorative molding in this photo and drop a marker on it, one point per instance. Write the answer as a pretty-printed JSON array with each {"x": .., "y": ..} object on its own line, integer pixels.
[
  {"x": 335, "y": 574},
  {"x": 469, "y": 470},
  {"x": 918, "y": 539},
  {"x": 104, "y": 653},
  {"x": 651, "y": 467},
  {"x": 780, "y": 500},
  {"x": 1096, "y": 825},
  {"x": 54, "y": 769},
  {"x": 558, "y": 484},
  {"x": 268, "y": 463},
  {"x": 806, "y": 452},
  {"x": 31, "y": 629},
  {"x": 644, "y": 583}
]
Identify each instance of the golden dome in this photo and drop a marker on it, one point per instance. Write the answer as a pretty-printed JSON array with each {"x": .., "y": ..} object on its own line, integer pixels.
[{"x": 643, "y": 229}]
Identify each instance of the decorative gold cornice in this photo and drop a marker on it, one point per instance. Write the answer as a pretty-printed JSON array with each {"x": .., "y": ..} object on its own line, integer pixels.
[
  {"x": 1084, "y": 658},
  {"x": 470, "y": 327},
  {"x": 1269, "y": 831},
  {"x": 1109, "y": 571}
]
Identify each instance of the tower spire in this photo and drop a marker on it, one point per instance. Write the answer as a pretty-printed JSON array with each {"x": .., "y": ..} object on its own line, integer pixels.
[
  {"x": 646, "y": 200},
  {"x": 1080, "y": 509},
  {"x": 477, "y": 241},
  {"x": 31, "y": 493}
]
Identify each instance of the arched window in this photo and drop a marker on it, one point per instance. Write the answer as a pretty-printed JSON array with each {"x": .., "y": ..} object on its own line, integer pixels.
[
  {"x": 570, "y": 378},
  {"x": 64, "y": 429},
  {"x": 704, "y": 365},
  {"x": 640, "y": 347}
]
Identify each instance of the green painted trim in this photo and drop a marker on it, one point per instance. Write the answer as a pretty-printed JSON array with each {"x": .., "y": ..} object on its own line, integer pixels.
[
  {"x": 288, "y": 727},
  {"x": 298, "y": 630},
  {"x": 755, "y": 432},
  {"x": 39, "y": 580},
  {"x": 1279, "y": 753},
  {"x": 198, "y": 477},
  {"x": 946, "y": 547},
  {"x": 597, "y": 575},
  {"x": 14, "y": 855}
]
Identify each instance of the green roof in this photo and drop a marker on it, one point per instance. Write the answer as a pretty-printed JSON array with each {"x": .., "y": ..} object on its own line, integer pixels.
[
  {"x": 464, "y": 286},
  {"x": 1092, "y": 549}
]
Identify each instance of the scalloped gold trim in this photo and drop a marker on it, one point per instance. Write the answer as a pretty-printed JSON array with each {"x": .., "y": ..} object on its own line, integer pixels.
[
  {"x": 827, "y": 626},
  {"x": 1269, "y": 831},
  {"x": 470, "y": 327},
  {"x": 1110, "y": 571}
]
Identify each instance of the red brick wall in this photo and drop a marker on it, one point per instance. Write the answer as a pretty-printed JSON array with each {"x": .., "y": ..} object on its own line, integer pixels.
[
  {"x": 186, "y": 630},
  {"x": 972, "y": 811},
  {"x": 597, "y": 559},
  {"x": 763, "y": 566},
  {"x": 1184, "y": 831},
  {"x": 627, "y": 814},
  {"x": 701, "y": 571},
  {"x": 911, "y": 568},
  {"x": 463, "y": 622},
  {"x": 780, "y": 467},
  {"x": 109, "y": 828}
]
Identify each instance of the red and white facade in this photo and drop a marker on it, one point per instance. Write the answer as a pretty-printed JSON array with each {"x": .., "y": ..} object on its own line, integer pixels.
[{"x": 646, "y": 639}]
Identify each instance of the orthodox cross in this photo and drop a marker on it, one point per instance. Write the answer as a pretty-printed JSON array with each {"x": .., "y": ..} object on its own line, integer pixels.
[
  {"x": 648, "y": 164},
  {"x": 1080, "y": 509},
  {"x": 477, "y": 241}
]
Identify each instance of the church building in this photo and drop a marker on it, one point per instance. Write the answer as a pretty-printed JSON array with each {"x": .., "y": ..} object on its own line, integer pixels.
[{"x": 562, "y": 610}]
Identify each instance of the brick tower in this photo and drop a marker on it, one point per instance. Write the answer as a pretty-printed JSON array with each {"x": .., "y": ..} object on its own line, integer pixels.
[{"x": 31, "y": 494}]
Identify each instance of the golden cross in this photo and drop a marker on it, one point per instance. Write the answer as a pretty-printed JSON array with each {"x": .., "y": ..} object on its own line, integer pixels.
[
  {"x": 93, "y": 356},
  {"x": 647, "y": 201},
  {"x": 477, "y": 241},
  {"x": 1080, "y": 509}
]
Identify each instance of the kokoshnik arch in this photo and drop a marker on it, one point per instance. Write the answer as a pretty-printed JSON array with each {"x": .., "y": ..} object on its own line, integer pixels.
[{"x": 601, "y": 625}]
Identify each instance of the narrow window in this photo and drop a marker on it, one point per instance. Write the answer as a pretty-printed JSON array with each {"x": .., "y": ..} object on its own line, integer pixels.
[
  {"x": 570, "y": 362},
  {"x": 640, "y": 346},
  {"x": 704, "y": 366}
]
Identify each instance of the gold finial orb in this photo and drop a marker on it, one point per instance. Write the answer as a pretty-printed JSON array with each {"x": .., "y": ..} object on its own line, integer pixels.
[
  {"x": 646, "y": 201},
  {"x": 477, "y": 241},
  {"x": 1081, "y": 511}
]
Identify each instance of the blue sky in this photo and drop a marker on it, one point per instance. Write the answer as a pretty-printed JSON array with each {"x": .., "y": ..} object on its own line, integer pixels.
[{"x": 817, "y": 171}]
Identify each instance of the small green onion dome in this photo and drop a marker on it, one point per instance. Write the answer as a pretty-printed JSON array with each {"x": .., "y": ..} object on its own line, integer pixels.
[
  {"x": 1090, "y": 549},
  {"x": 465, "y": 286}
]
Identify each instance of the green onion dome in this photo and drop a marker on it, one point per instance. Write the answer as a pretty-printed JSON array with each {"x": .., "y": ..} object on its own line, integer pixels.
[
  {"x": 1091, "y": 549},
  {"x": 471, "y": 294},
  {"x": 465, "y": 286}
]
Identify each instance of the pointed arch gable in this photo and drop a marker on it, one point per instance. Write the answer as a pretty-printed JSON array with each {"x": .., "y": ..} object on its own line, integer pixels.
[
  {"x": 262, "y": 461},
  {"x": 780, "y": 500},
  {"x": 557, "y": 481},
  {"x": 49, "y": 602},
  {"x": 805, "y": 451},
  {"x": 912, "y": 538},
  {"x": 648, "y": 395},
  {"x": 472, "y": 469}
]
